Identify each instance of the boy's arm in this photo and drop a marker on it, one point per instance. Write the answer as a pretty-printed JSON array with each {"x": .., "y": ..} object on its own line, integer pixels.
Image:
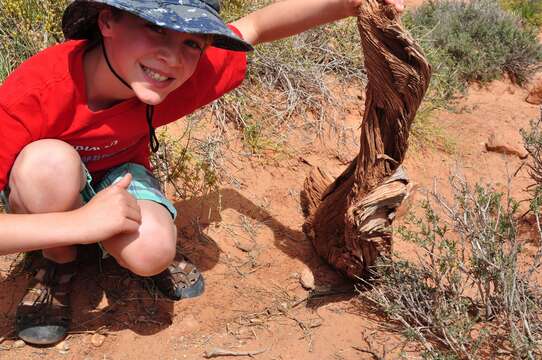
[
  {"x": 111, "y": 212},
  {"x": 290, "y": 17},
  {"x": 27, "y": 232}
]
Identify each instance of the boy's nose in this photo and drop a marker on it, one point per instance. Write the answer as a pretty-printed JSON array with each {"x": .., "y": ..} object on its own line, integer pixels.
[{"x": 170, "y": 55}]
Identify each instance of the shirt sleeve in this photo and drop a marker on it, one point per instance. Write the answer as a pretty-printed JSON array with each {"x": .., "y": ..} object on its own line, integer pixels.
[
  {"x": 14, "y": 135},
  {"x": 219, "y": 71}
]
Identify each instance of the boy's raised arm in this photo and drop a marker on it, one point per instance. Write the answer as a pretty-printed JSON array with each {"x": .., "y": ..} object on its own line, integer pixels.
[{"x": 290, "y": 17}]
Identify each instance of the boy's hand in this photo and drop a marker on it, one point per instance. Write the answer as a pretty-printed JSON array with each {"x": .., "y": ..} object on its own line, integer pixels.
[
  {"x": 111, "y": 212},
  {"x": 353, "y": 5}
]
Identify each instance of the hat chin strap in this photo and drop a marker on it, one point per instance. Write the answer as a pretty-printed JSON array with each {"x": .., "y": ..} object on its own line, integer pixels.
[{"x": 155, "y": 145}]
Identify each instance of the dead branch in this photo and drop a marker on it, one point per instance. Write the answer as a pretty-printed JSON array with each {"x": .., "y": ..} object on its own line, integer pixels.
[
  {"x": 216, "y": 352},
  {"x": 349, "y": 220}
]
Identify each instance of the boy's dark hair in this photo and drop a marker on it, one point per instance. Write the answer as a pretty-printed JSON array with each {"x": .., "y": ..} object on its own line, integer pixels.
[{"x": 92, "y": 30}]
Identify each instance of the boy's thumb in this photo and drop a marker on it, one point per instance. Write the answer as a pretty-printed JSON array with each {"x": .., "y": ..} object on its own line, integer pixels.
[{"x": 125, "y": 181}]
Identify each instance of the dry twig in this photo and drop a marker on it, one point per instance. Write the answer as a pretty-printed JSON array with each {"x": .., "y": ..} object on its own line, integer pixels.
[{"x": 216, "y": 352}]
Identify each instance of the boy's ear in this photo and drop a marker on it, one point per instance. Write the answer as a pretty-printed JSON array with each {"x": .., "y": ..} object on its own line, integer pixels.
[{"x": 105, "y": 22}]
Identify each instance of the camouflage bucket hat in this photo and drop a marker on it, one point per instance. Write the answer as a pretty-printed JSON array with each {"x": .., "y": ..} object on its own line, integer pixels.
[{"x": 190, "y": 16}]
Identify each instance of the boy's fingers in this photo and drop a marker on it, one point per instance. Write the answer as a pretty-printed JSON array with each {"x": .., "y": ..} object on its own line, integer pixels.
[
  {"x": 134, "y": 214},
  {"x": 398, "y": 4},
  {"x": 131, "y": 226},
  {"x": 125, "y": 181}
]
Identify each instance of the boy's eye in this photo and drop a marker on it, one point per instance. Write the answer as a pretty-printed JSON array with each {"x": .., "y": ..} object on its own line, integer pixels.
[{"x": 193, "y": 44}]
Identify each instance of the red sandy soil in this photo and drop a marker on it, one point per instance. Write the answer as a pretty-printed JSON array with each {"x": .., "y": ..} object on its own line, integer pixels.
[{"x": 252, "y": 252}]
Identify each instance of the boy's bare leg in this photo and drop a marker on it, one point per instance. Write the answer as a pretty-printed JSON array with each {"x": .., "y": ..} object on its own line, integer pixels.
[
  {"x": 152, "y": 248},
  {"x": 151, "y": 252},
  {"x": 47, "y": 176}
]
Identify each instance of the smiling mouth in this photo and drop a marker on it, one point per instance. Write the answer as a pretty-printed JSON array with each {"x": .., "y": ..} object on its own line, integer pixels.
[{"x": 155, "y": 75}]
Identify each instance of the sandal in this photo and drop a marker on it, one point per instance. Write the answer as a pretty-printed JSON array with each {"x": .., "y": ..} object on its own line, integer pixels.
[
  {"x": 181, "y": 280},
  {"x": 43, "y": 315}
]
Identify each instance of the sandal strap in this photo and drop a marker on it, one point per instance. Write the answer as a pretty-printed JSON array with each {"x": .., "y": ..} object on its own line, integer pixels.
[
  {"x": 184, "y": 273},
  {"x": 47, "y": 301},
  {"x": 181, "y": 279}
]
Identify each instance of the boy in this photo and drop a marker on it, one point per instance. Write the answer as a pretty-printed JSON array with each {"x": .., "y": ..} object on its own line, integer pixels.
[{"x": 77, "y": 121}]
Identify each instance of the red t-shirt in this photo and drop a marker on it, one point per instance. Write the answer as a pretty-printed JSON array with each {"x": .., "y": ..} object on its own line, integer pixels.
[{"x": 45, "y": 98}]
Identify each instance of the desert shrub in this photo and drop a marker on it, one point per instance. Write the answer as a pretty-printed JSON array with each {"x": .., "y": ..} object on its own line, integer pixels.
[
  {"x": 477, "y": 41},
  {"x": 190, "y": 167},
  {"x": 27, "y": 26},
  {"x": 532, "y": 139},
  {"x": 530, "y": 10},
  {"x": 466, "y": 297},
  {"x": 465, "y": 42}
]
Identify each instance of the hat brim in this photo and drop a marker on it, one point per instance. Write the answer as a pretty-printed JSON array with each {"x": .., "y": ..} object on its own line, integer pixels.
[{"x": 80, "y": 20}]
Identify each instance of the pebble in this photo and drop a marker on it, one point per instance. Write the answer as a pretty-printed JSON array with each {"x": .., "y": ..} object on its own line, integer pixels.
[
  {"x": 245, "y": 246},
  {"x": 295, "y": 275},
  {"x": 307, "y": 279},
  {"x": 18, "y": 344},
  {"x": 500, "y": 145},
  {"x": 535, "y": 93},
  {"x": 62, "y": 347},
  {"x": 97, "y": 339}
]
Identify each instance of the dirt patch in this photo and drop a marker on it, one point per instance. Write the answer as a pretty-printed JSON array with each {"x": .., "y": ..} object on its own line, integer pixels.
[{"x": 247, "y": 240}]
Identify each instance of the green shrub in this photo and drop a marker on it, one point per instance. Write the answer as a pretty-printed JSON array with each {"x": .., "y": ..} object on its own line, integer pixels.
[
  {"x": 530, "y": 10},
  {"x": 476, "y": 41},
  {"x": 27, "y": 26},
  {"x": 465, "y": 42},
  {"x": 190, "y": 167},
  {"x": 467, "y": 292}
]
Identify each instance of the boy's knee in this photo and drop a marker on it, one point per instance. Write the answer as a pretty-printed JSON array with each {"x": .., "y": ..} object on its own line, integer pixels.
[
  {"x": 152, "y": 254},
  {"x": 44, "y": 161},
  {"x": 44, "y": 170}
]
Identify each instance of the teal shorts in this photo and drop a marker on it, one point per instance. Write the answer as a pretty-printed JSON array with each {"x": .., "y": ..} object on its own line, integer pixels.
[{"x": 144, "y": 186}]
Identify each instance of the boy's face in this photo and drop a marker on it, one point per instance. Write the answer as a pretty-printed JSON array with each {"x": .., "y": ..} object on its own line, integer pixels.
[{"x": 153, "y": 60}]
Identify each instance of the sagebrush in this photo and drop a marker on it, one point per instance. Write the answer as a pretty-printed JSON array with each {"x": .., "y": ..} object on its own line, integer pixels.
[
  {"x": 466, "y": 42},
  {"x": 530, "y": 10},
  {"x": 466, "y": 297},
  {"x": 473, "y": 293},
  {"x": 479, "y": 40}
]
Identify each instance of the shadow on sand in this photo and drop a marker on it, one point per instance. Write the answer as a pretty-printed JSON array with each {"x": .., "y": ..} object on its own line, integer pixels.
[
  {"x": 107, "y": 296},
  {"x": 198, "y": 213}
]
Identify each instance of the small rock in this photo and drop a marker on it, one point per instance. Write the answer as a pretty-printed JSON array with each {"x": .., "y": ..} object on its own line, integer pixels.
[
  {"x": 245, "y": 246},
  {"x": 97, "y": 339},
  {"x": 502, "y": 147},
  {"x": 307, "y": 279},
  {"x": 62, "y": 347},
  {"x": 18, "y": 344}
]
